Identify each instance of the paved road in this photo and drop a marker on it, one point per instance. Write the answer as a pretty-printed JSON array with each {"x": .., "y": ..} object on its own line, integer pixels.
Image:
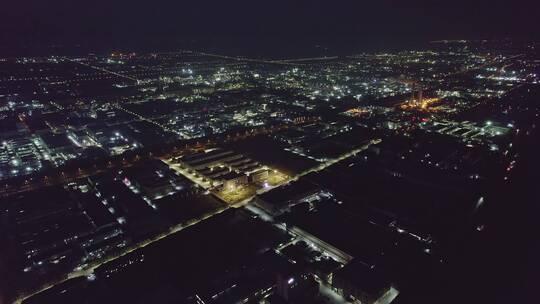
[
  {"x": 340, "y": 158},
  {"x": 86, "y": 271},
  {"x": 104, "y": 70},
  {"x": 300, "y": 234}
]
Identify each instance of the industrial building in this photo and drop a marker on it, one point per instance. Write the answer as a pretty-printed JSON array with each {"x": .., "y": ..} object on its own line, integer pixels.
[
  {"x": 362, "y": 284},
  {"x": 222, "y": 167}
]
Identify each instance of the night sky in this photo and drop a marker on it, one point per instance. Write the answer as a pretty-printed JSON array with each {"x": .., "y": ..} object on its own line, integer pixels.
[{"x": 262, "y": 24}]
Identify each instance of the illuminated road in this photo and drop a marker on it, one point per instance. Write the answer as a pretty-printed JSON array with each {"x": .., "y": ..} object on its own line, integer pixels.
[
  {"x": 243, "y": 59},
  {"x": 330, "y": 250},
  {"x": 294, "y": 61},
  {"x": 315, "y": 169},
  {"x": 299, "y": 234},
  {"x": 339, "y": 159},
  {"x": 104, "y": 70},
  {"x": 307, "y": 59},
  {"x": 90, "y": 268},
  {"x": 163, "y": 127}
]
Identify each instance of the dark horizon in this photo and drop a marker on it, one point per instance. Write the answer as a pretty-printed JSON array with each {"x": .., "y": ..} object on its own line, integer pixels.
[{"x": 261, "y": 28}]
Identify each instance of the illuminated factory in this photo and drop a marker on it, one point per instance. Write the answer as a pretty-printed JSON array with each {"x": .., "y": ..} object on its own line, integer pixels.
[{"x": 221, "y": 167}]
